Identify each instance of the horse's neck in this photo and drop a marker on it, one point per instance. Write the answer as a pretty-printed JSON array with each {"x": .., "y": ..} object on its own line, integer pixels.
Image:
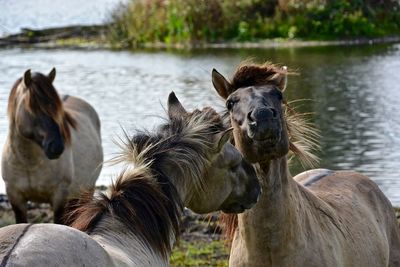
[
  {"x": 274, "y": 223},
  {"x": 124, "y": 247},
  {"x": 24, "y": 151}
]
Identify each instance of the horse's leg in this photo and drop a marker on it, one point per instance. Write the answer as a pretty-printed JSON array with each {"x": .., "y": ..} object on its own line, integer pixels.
[
  {"x": 18, "y": 204},
  {"x": 59, "y": 201}
]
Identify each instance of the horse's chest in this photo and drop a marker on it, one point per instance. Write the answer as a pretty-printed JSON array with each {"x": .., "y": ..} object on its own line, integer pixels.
[{"x": 36, "y": 184}]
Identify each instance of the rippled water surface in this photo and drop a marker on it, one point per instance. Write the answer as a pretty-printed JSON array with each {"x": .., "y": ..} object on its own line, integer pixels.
[
  {"x": 39, "y": 14},
  {"x": 354, "y": 94}
]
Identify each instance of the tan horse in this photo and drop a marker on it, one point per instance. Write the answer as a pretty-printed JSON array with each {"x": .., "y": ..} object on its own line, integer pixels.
[
  {"x": 53, "y": 148},
  {"x": 185, "y": 162},
  {"x": 318, "y": 218}
]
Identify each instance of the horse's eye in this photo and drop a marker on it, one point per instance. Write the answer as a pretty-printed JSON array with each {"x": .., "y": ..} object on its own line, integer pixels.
[{"x": 229, "y": 104}]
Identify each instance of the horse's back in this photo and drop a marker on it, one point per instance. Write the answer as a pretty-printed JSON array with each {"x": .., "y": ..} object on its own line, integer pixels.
[
  {"x": 86, "y": 143},
  {"x": 49, "y": 245},
  {"x": 361, "y": 206},
  {"x": 75, "y": 104}
]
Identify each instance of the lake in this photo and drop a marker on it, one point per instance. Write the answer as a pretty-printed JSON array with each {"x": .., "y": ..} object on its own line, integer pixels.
[
  {"x": 40, "y": 14},
  {"x": 352, "y": 92}
]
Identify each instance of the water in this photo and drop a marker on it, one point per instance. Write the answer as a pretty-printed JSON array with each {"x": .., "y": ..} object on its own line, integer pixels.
[
  {"x": 40, "y": 14},
  {"x": 355, "y": 94}
]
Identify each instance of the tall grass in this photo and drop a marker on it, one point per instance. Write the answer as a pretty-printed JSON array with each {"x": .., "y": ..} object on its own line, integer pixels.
[{"x": 196, "y": 21}]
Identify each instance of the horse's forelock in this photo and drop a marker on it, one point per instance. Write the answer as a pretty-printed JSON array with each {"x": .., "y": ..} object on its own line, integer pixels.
[
  {"x": 42, "y": 98},
  {"x": 250, "y": 74}
]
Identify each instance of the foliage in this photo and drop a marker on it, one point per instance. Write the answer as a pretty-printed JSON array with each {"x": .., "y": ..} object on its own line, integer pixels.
[
  {"x": 195, "y": 21},
  {"x": 200, "y": 253}
]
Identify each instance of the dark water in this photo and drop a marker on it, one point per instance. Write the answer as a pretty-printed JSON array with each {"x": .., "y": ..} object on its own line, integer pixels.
[{"x": 354, "y": 93}]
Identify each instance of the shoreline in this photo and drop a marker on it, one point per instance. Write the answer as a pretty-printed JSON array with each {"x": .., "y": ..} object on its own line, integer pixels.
[{"x": 93, "y": 37}]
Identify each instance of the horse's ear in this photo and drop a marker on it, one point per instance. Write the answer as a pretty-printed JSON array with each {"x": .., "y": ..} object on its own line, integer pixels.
[
  {"x": 52, "y": 75},
  {"x": 280, "y": 78},
  {"x": 175, "y": 108},
  {"x": 223, "y": 87},
  {"x": 224, "y": 138},
  {"x": 27, "y": 78}
]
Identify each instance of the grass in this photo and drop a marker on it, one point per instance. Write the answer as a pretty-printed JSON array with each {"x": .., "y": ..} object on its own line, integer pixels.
[
  {"x": 200, "y": 253},
  {"x": 204, "y": 21}
]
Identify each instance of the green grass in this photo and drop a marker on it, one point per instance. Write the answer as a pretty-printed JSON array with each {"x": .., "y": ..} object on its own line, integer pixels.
[{"x": 200, "y": 253}]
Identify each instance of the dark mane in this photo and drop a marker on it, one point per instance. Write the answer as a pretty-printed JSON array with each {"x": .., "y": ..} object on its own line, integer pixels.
[
  {"x": 148, "y": 206},
  {"x": 42, "y": 98},
  {"x": 256, "y": 75},
  {"x": 143, "y": 198}
]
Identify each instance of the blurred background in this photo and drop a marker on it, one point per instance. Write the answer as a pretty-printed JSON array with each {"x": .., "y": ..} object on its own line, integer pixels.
[{"x": 139, "y": 51}]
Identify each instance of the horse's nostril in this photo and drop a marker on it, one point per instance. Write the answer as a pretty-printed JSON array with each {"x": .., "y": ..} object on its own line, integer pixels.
[
  {"x": 262, "y": 114},
  {"x": 249, "y": 116}
]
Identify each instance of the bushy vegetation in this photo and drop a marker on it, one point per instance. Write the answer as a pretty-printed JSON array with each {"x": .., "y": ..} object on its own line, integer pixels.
[{"x": 196, "y": 21}]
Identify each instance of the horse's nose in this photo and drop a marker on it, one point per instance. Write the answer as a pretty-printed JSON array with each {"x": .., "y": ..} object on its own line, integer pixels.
[
  {"x": 54, "y": 149},
  {"x": 262, "y": 123},
  {"x": 261, "y": 114}
]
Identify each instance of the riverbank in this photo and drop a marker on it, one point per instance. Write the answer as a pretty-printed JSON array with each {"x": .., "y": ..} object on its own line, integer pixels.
[
  {"x": 177, "y": 22},
  {"x": 95, "y": 37}
]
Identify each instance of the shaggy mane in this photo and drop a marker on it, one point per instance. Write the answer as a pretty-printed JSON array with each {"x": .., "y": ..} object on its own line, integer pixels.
[
  {"x": 250, "y": 74},
  {"x": 303, "y": 137},
  {"x": 42, "y": 98},
  {"x": 143, "y": 198}
]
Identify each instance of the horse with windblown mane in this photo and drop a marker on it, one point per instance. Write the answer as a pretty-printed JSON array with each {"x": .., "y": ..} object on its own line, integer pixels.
[
  {"x": 53, "y": 148},
  {"x": 317, "y": 218},
  {"x": 187, "y": 161}
]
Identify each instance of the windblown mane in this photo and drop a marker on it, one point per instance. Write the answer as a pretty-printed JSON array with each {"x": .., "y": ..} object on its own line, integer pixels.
[
  {"x": 42, "y": 98},
  {"x": 303, "y": 137},
  {"x": 143, "y": 197}
]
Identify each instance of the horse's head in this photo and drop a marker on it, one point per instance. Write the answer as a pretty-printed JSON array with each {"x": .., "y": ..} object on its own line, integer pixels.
[
  {"x": 255, "y": 104},
  {"x": 223, "y": 180},
  {"x": 36, "y": 113}
]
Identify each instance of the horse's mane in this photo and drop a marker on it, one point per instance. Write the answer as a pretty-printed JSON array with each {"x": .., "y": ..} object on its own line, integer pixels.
[
  {"x": 303, "y": 137},
  {"x": 42, "y": 98},
  {"x": 143, "y": 197}
]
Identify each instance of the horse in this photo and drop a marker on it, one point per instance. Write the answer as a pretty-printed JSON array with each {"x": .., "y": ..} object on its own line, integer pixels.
[
  {"x": 53, "y": 148},
  {"x": 319, "y": 217},
  {"x": 187, "y": 161}
]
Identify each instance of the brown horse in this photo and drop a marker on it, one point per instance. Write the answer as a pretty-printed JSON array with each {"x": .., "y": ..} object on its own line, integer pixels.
[
  {"x": 185, "y": 162},
  {"x": 53, "y": 148},
  {"x": 318, "y": 218}
]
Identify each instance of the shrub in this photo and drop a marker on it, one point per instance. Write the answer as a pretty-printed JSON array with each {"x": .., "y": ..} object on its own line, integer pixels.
[{"x": 195, "y": 21}]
